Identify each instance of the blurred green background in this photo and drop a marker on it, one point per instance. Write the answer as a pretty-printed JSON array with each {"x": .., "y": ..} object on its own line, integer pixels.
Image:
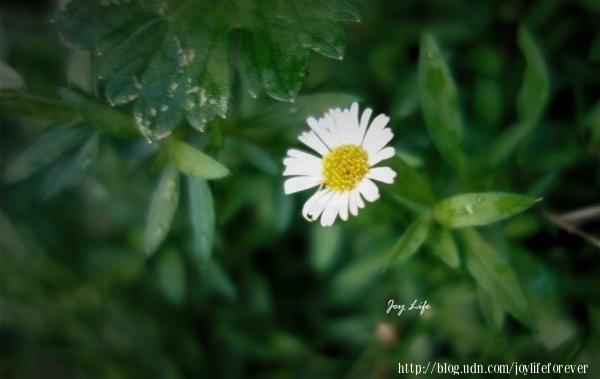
[{"x": 281, "y": 297}]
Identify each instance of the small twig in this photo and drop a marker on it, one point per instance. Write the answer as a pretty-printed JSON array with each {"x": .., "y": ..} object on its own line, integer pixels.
[
  {"x": 563, "y": 222},
  {"x": 583, "y": 215}
]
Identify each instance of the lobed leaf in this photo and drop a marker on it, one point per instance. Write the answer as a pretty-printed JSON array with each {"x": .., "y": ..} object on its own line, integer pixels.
[
  {"x": 172, "y": 57},
  {"x": 493, "y": 274},
  {"x": 102, "y": 116},
  {"x": 162, "y": 208},
  {"x": 474, "y": 209},
  {"x": 202, "y": 216},
  {"x": 439, "y": 102},
  {"x": 194, "y": 162}
]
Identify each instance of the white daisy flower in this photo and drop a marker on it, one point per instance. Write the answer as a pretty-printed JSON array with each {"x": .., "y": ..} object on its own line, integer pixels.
[{"x": 348, "y": 149}]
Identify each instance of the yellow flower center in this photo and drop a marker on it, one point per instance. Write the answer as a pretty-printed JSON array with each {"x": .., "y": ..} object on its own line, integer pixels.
[{"x": 344, "y": 167}]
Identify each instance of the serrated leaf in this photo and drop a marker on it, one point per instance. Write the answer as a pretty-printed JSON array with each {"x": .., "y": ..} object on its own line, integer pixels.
[
  {"x": 202, "y": 216},
  {"x": 536, "y": 82},
  {"x": 102, "y": 116},
  {"x": 46, "y": 150},
  {"x": 411, "y": 240},
  {"x": 194, "y": 162},
  {"x": 71, "y": 169},
  {"x": 162, "y": 208},
  {"x": 409, "y": 183},
  {"x": 439, "y": 102},
  {"x": 172, "y": 57},
  {"x": 474, "y": 209},
  {"x": 493, "y": 274},
  {"x": 441, "y": 243},
  {"x": 34, "y": 106}
]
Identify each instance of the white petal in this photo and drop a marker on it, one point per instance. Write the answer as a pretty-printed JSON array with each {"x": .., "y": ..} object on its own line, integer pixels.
[
  {"x": 331, "y": 210},
  {"x": 300, "y": 183},
  {"x": 352, "y": 202},
  {"x": 383, "y": 154},
  {"x": 364, "y": 123},
  {"x": 295, "y": 166},
  {"x": 369, "y": 190},
  {"x": 382, "y": 174},
  {"x": 300, "y": 163},
  {"x": 344, "y": 198},
  {"x": 301, "y": 154},
  {"x": 311, "y": 140},
  {"x": 315, "y": 205},
  {"x": 322, "y": 131},
  {"x": 375, "y": 141}
]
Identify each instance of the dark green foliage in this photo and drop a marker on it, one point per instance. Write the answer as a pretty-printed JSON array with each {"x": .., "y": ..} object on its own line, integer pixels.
[{"x": 144, "y": 231}]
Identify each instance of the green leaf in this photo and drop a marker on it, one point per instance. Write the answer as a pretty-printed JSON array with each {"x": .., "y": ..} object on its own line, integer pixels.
[
  {"x": 162, "y": 209},
  {"x": 507, "y": 142},
  {"x": 536, "y": 82},
  {"x": 441, "y": 243},
  {"x": 194, "y": 162},
  {"x": 411, "y": 240},
  {"x": 473, "y": 209},
  {"x": 406, "y": 98},
  {"x": 439, "y": 102},
  {"x": 258, "y": 157},
  {"x": 9, "y": 78},
  {"x": 170, "y": 271},
  {"x": 71, "y": 169},
  {"x": 34, "y": 106},
  {"x": 106, "y": 118},
  {"x": 202, "y": 216},
  {"x": 493, "y": 312},
  {"x": 493, "y": 274},
  {"x": 409, "y": 183},
  {"x": 173, "y": 57},
  {"x": 46, "y": 150},
  {"x": 325, "y": 246}
]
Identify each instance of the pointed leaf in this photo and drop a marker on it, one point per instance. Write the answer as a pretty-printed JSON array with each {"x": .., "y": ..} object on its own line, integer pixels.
[
  {"x": 46, "y": 150},
  {"x": 441, "y": 243},
  {"x": 71, "y": 169},
  {"x": 440, "y": 103},
  {"x": 493, "y": 274},
  {"x": 536, "y": 82},
  {"x": 106, "y": 118},
  {"x": 411, "y": 240},
  {"x": 473, "y": 209},
  {"x": 162, "y": 208},
  {"x": 202, "y": 216},
  {"x": 195, "y": 163},
  {"x": 409, "y": 183}
]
